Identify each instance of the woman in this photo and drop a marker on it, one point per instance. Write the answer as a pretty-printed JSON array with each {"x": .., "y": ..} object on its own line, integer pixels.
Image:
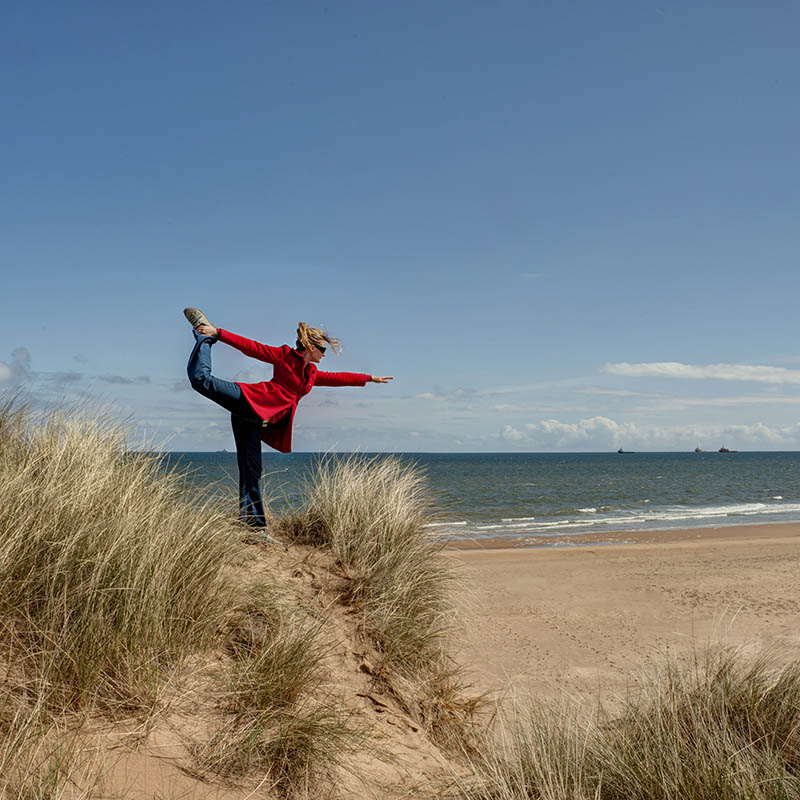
[{"x": 263, "y": 411}]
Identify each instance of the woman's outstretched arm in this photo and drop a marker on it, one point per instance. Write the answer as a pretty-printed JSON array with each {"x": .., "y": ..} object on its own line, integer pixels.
[
  {"x": 263, "y": 352},
  {"x": 347, "y": 379}
]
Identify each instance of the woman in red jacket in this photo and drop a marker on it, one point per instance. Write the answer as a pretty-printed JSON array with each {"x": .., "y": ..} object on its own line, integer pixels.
[{"x": 263, "y": 411}]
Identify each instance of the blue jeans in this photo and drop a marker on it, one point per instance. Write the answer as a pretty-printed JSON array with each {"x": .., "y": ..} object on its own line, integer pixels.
[{"x": 246, "y": 426}]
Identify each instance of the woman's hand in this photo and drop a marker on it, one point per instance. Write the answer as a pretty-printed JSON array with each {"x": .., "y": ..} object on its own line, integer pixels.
[
  {"x": 206, "y": 330},
  {"x": 385, "y": 379}
]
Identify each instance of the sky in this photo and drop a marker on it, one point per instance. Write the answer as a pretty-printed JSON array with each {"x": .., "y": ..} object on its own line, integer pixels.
[{"x": 562, "y": 226}]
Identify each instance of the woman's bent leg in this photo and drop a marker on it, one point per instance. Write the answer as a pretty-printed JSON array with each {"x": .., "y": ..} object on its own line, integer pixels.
[
  {"x": 225, "y": 393},
  {"x": 247, "y": 435}
]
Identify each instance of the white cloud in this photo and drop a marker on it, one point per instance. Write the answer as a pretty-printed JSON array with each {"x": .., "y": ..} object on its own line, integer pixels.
[
  {"x": 603, "y": 392},
  {"x": 567, "y": 385},
  {"x": 251, "y": 375},
  {"x": 438, "y": 393},
  {"x": 511, "y": 434},
  {"x": 771, "y": 396},
  {"x": 554, "y": 407},
  {"x": 604, "y": 433},
  {"x": 674, "y": 403},
  {"x": 724, "y": 372},
  {"x": 18, "y": 371}
]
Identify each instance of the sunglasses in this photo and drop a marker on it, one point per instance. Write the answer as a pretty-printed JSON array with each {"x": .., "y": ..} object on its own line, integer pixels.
[{"x": 320, "y": 347}]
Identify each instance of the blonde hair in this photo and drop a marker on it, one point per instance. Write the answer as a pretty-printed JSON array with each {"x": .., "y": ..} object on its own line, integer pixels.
[{"x": 312, "y": 337}]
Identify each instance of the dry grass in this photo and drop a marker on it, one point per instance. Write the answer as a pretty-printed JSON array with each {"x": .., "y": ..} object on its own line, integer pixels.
[
  {"x": 371, "y": 514},
  {"x": 728, "y": 728},
  {"x": 108, "y": 578},
  {"x": 280, "y": 720},
  {"x": 42, "y": 755}
]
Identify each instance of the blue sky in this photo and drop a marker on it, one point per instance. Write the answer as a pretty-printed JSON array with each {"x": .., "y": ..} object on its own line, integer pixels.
[{"x": 552, "y": 222}]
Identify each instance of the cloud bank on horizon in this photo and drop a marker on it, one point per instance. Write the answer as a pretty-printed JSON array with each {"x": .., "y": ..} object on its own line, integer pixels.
[
  {"x": 608, "y": 434},
  {"x": 574, "y": 415}
]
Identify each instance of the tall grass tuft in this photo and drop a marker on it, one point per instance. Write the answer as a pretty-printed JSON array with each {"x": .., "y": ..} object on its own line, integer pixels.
[
  {"x": 108, "y": 578},
  {"x": 371, "y": 513},
  {"x": 279, "y": 718},
  {"x": 726, "y": 728}
]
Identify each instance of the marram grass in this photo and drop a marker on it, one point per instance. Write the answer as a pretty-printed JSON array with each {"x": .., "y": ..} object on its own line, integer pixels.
[
  {"x": 108, "y": 577},
  {"x": 280, "y": 720},
  {"x": 727, "y": 728},
  {"x": 372, "y": 515},
  {"x": 42, "y": 754}
]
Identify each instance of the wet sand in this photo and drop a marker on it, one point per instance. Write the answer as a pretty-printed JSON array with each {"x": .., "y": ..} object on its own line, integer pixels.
[{"x": 591, "y": 618}]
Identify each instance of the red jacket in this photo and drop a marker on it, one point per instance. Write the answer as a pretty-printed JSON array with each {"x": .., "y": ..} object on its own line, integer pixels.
[{"x": 277, "y": 399}]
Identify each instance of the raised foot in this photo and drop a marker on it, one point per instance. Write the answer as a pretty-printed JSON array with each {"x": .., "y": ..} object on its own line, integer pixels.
[{"x": 196, "y": 317}]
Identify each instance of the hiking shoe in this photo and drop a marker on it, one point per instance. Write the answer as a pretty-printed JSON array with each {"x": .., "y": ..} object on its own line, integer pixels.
[
  {"x": 260, "y": 537},
  {"x": 196, "y": 317}
]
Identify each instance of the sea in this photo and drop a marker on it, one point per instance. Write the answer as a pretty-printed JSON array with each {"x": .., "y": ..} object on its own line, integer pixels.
[{"x": 554, "y": 495}]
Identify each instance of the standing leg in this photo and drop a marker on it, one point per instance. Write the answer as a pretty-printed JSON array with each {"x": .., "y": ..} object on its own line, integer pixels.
[
  {"x": 246, "y": 434},
  {"x": 246, "y": 426}
]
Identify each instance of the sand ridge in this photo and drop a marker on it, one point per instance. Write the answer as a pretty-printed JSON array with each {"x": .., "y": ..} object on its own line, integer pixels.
[{"x": 397, "y": 755}]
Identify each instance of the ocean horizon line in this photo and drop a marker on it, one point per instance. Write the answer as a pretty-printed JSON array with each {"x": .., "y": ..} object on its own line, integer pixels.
[{"x": 483, "y": 452}]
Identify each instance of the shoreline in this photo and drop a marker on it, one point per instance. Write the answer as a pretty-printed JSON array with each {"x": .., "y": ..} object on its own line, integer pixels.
[{"x": 628, "y": 537}]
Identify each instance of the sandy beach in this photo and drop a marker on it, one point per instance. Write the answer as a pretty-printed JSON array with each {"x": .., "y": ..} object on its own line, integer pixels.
[{"x": 591, "y": 618}]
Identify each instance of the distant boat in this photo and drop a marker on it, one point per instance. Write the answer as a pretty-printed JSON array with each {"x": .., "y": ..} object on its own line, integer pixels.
[
  {"x": 725, "y": 450},
  {"x": 699, "y": 450},
  {"x": 624, "y": 452}
]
